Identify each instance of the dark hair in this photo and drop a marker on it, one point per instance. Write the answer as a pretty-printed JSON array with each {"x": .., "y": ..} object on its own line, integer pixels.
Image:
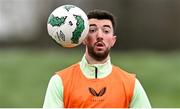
[{"x": 102, "y": 14}]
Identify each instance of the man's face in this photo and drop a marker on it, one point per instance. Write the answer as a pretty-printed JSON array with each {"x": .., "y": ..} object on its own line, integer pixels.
[{"x": 100, "y": 38}]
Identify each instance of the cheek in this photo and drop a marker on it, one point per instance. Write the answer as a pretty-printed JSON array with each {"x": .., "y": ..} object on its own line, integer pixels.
[
  {"x": 110, "y": 41},
  {"x": 90, "y": 39}
]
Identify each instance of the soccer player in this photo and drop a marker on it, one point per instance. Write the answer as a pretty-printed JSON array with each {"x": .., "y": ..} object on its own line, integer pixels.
[{"x": 95, "y": 82}]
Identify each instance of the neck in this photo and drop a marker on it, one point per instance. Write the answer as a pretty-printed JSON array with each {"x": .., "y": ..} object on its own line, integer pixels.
[{"x": 91, "y": 60}]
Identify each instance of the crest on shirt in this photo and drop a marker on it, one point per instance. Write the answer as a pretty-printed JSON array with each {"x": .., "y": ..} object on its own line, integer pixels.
[{"x": 97, "y": 94}]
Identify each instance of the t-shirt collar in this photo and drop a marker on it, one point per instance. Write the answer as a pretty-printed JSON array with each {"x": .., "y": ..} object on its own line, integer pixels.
[{"x": 88, "y": 70}]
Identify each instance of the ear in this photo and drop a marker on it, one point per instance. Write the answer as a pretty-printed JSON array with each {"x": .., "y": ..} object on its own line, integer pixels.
[{"x": 113, "y": 41}]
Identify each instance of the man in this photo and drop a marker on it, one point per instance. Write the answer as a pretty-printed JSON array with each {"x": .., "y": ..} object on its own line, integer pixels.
[{"x": 95, "y": 82}]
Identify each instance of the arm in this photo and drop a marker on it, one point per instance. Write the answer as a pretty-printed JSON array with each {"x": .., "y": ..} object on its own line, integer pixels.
[
  {"x": 140, "y": 99},
  {"x": 54, "y": 93}
]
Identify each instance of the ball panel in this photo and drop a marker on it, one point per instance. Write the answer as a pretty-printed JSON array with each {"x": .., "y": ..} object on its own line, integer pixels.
[{"x": 68, "y": 25}]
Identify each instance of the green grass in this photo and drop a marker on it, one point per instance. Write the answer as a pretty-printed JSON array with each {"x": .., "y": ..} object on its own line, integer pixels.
[
  {"x": 158, "y": 72},
  {"x": 24, "y": 74}
]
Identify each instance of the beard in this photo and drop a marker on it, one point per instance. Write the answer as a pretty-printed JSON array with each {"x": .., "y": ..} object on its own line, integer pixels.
[{"x": 98, "y": 55}]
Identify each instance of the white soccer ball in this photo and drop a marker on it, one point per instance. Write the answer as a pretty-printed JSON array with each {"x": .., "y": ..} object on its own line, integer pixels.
[{"x": 68, "y": 25}]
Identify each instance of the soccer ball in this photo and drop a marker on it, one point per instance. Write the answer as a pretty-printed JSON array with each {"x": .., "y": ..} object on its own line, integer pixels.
[{"x": 68, "y": 25}]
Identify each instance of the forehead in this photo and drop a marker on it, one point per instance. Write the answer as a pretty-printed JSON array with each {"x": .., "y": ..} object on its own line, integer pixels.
[{"x": 100, "y": 22}]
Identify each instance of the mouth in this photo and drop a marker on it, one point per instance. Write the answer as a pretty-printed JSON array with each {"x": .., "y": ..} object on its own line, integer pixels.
[{"x": 99, "y": 45}]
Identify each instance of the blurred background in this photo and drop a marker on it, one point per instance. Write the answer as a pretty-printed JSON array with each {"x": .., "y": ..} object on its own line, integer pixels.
[{"x": 148, "y": 45}]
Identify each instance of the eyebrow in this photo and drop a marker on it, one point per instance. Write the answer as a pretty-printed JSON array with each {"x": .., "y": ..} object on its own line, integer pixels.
[
  {"x": 92, "y": 25},
  {"x": 107, "y": 26},
  {"x": 103, "y": 25}
]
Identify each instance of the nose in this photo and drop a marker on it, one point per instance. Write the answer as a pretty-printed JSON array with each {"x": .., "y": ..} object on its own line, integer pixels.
[{"x": 99, "y": 35}]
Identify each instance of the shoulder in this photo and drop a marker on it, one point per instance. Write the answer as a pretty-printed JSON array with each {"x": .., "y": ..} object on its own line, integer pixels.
[
  {"x": 69, "y": 73},
  {"x": 123, "y": 73},
  {"x": 68, "y": 70},
  {"x": 127, "y": 80},
  {"x": 54, "y": 93},
  {"x": 55, "y": 82}
]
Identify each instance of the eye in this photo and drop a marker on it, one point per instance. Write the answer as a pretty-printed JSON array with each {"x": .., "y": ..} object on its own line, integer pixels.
[
  {"x": 92, "y": 30},
  {"x": 106, "y": 30}
]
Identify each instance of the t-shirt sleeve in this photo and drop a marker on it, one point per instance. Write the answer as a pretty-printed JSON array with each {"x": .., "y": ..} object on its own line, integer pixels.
[
  {"x": 140, "y": 99},
  {"x": 54, "y": 93}
]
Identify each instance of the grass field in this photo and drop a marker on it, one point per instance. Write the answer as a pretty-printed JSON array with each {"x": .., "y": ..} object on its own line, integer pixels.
[{"x": 24, "y": 74}]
